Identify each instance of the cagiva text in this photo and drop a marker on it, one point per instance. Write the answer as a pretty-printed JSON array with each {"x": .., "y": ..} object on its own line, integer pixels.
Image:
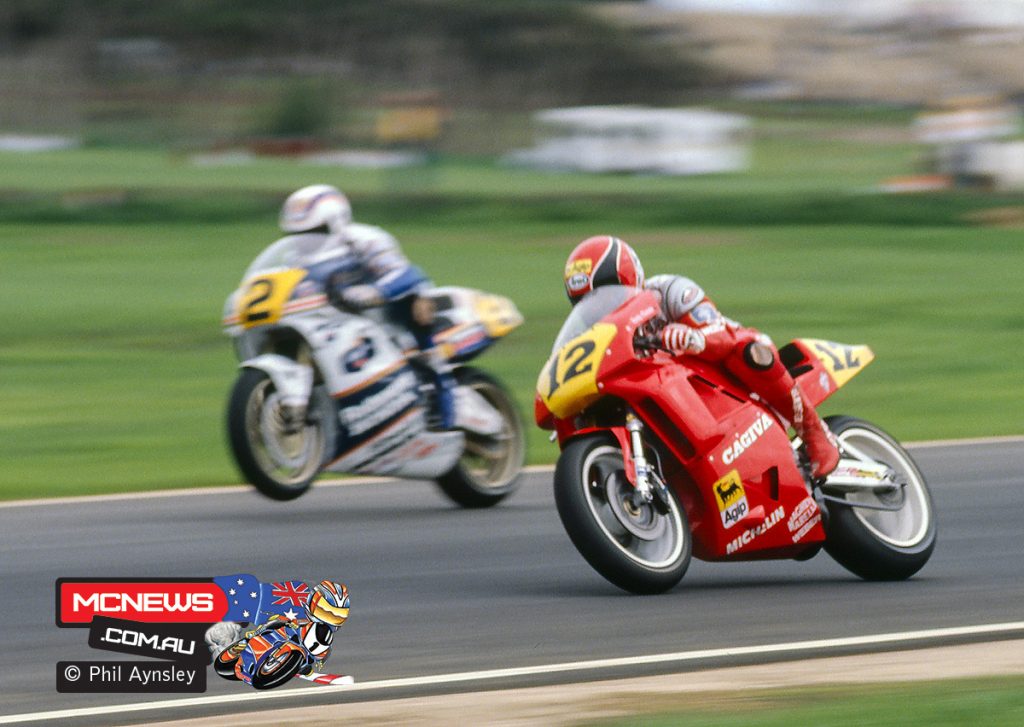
[{"x": 747, "y": 438}]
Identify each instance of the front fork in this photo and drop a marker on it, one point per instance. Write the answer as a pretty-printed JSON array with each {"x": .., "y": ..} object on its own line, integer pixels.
[
  {"x": 293, "y": 382},
  {"x": 641, "y": 484},
  {"x": 648, "y": 487}
]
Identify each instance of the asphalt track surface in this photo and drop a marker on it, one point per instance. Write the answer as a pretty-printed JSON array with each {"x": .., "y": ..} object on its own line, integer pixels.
[{"x": 439, "y": 590}]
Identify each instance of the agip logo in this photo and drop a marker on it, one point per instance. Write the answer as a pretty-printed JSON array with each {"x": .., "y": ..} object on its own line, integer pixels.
[{"x": 731, "y": 499}]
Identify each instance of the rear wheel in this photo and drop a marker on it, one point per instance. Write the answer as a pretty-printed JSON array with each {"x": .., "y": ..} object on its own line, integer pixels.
[
  {"x": 225, "y": 662},
  {"x": 489, "y": 468},
  {"x": 880, "y": 544},
  {"x": 278, "y": 452},
  {"x": 635, "y": 546}
]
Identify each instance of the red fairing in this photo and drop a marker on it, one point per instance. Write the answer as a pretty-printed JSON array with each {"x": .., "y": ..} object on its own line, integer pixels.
[
  {"x": 541, "y": 414},
  {"x": 726, "y": 454}
]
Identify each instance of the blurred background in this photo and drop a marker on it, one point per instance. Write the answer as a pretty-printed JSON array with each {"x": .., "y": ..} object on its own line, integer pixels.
[{"x": 841, "y": 169}]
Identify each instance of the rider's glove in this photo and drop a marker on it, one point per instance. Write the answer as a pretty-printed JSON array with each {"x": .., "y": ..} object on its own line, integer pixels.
[
  {"x": 681, "y": 339},
  {"x": 361, "y": 296}
]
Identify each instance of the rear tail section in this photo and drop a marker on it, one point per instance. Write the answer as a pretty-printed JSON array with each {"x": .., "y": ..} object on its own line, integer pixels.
[{"x": 820, "y": 367}]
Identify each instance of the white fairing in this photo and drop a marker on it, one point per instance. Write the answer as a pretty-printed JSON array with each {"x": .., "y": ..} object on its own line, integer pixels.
[
  {"x": 473, "y": 413},
  {"x": 360, "y": 361},
  {"x": 424, "y": 454},
  {"x": 379, "y": 403},
  {"x": 293, "y": 381}
]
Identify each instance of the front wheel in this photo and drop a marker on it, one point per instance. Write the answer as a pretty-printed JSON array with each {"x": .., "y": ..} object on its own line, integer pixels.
[
  {"x": 276, "y": 668},
  {"x": 277, "y": 450},
  {"x": 634, "y": 546},
  {"x": 489, "y": 468},
  {"x": 880, "y": 544}
]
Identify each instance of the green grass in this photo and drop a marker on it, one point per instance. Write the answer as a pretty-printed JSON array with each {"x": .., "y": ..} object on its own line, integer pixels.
[
  {"x": 114, "y": 372},
  {"x": 992, "y": 702}
]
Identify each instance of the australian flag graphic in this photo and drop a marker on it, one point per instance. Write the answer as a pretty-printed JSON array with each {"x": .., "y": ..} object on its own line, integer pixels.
[{"x": 251, "y": 601}]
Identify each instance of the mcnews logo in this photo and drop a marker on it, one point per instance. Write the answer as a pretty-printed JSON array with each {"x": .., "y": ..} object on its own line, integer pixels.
[
  {"x": 174, "y": 620},
  {"x": 149, "y": 601}
]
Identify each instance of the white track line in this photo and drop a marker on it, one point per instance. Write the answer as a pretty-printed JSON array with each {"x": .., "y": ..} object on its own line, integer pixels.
[
  {"x": 680, "y": 657},
  {"x": 217, "y": 490},
  {"x": 351, "y": 481}
]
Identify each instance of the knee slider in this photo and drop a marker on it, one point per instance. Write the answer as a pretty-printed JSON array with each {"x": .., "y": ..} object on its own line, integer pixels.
[{"x": 758, "y": 356}]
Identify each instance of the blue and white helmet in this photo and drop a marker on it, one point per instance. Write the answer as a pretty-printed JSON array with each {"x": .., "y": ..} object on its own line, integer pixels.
[
  {"x": 318, "y": 207},
  {"x": 328, "y": 603}
]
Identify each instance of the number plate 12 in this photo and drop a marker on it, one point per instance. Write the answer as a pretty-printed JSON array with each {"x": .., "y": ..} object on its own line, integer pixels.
[{"x": 568, "y": 382}]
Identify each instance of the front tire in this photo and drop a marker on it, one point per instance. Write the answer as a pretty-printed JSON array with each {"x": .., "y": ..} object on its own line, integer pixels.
[
  {"x": 880, "y": 545},
  {"x": 278, "y": 457},
  {"x": 277, "y": 668},
  {"x": 489, "y": 468},
  {"x": 637, "y": 548}
]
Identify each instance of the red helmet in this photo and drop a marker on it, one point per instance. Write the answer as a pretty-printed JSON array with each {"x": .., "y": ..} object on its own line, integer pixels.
[{"x": 601, "y": 260}]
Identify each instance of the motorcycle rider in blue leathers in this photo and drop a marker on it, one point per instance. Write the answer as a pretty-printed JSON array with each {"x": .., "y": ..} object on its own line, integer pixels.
[{"x": 384, "y": 278}]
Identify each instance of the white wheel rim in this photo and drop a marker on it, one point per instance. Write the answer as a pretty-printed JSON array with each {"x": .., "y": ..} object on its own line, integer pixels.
[
  {"x": 493, "y": 468},
  {"x": 659, "y": 553},
  {"x": 288, "y": 459},
  {"x": 903, "y": 528}
]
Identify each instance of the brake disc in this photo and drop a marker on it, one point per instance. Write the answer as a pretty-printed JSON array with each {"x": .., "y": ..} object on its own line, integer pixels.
[{"x": 643, "y": 520}]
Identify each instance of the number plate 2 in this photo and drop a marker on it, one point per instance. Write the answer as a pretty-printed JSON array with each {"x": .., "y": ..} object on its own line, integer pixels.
[{"x": 263, "y": 298}]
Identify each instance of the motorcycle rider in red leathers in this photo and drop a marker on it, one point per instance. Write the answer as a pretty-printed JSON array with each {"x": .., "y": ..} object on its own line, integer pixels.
[{"x": 696, "y": 328}]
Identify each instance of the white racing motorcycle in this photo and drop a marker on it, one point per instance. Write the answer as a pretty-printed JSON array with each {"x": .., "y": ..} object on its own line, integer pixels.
[{"x": 327, "y": 389}]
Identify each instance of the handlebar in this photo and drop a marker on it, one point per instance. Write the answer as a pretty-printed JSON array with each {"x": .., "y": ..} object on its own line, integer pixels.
[{"x": 650, "y": 342}]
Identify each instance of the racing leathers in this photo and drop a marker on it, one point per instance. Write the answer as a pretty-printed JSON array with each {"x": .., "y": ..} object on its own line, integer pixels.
[
  {"x": 697, "y": 328},
  {"x": 384, "y": 275},
  {"x": 385, "y": 278}
]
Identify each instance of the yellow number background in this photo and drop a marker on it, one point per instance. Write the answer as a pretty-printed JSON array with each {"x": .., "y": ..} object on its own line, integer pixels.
[
  {"x": 264, "y": 297},
  {"x": 568, "y": 382},
  {"x": 842, "y": 361},
  {"x": 499, "y": 315}
]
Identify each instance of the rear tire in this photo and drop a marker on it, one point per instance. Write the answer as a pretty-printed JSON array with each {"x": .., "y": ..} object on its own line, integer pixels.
[
  {"x": 280, "y": 463},
  {"x": 880, "y": 545},
  {"x": 489, "y": 468},
  {"x": 224, "y": 664},
  {"x": 636, "y": 548}
]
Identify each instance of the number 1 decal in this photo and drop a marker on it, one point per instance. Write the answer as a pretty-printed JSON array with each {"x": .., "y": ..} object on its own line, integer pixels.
[{"x": 843, "y": 357}]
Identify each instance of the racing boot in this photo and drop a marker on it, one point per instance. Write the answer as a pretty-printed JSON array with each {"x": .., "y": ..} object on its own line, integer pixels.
[
  {"x": 819, "y": 443},
  {"x": 758, "y": 367}
]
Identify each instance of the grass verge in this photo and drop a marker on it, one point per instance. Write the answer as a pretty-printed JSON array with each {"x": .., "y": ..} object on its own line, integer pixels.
[
  {"x": 117, "y": 263},
  {"x": 994, "y": 702}
]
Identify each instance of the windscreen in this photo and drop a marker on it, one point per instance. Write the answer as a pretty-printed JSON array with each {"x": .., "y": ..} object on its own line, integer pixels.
[
  {"x": 594, "y": 306},
  {"x": 297, "y": 251}
]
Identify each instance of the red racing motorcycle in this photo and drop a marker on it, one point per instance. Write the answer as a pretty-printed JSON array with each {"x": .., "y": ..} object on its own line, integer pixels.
[{"x": 665, "y": 458}]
